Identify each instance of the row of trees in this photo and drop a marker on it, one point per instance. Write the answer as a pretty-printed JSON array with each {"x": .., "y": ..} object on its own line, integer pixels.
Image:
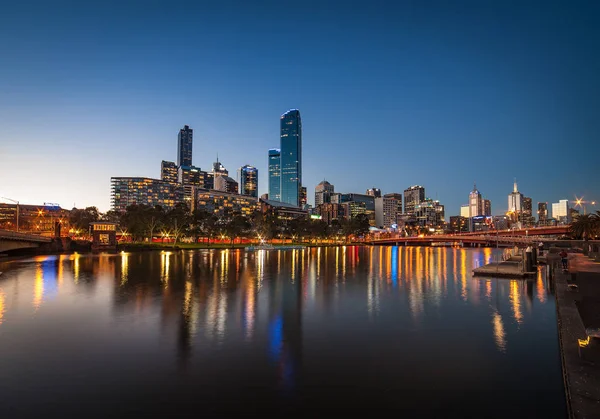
[
  {"x": 145, "y": 222},
  {"x": 586, "y": 226}
]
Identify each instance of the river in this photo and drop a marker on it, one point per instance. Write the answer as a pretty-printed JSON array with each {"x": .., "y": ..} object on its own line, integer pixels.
[{"x": 320, "y": 331}]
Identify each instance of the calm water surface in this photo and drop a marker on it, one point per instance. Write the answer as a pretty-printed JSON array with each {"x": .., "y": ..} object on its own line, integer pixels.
[{"x": 319, "y": 331}]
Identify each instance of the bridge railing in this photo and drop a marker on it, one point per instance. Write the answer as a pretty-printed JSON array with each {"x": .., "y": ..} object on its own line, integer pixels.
[{"x": 14, "y": 235}]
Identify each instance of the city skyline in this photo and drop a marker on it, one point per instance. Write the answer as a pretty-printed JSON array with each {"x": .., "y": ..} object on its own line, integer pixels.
[{"x": 403, "y": 92}]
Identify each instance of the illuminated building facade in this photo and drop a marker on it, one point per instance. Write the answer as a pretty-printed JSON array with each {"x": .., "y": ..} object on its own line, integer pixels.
[
  {"x": 323, "y": 193},
  {"x": 429, "y": 213},
  {"x": 127, "y": 191},
  {"x": 104, "y": 236},
  {"x": 248, "y": 181},
  {"x": 487, "y": 207},
  {"x": 360, "y": 204},
  {"x": 184, "y": 146},
  {"x": 482, "y": 223},
  {"x": 190, "y": 178},
  {"x": 560, "y": 211},
  {"x": 283, "y": 210},
  {"x": 43, "y": 219},
  {"x": 515, "y": 203},
  {"x": 374, "y": 192},
  {"x": 464, "y": 210},
  {"x": 330, "y": 212},
  {"x": 275, "y": 174},
  {"x": 475, "y": 203},
  {"x": 219, "y": 203},
  {"x": 542, "y": 213},
  {"x": 413, "y": 196},
  {"x": 458, "y": 224},
  {"x": 303, "y": 197},
  {"x": 291, "y": 157},
  {"x": 219, "y": 169},
  {"x": 392, "y": 208},
  {"x": 168, "y": 171},
  {"x": 527, "y": 218}
]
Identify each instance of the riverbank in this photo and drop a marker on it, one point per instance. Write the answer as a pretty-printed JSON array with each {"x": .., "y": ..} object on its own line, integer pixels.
[
  {"x": 128, "y": 247},
  {"x": 578, "y": 310}
]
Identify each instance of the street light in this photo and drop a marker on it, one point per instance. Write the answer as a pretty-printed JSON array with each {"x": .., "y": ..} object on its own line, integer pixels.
[
  {"x": 579, "y": 202},
  {"x": 16, "y": 202}
]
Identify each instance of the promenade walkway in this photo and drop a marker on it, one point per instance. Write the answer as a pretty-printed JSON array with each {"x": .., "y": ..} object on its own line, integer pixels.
[{"x": 578, "y": 310}]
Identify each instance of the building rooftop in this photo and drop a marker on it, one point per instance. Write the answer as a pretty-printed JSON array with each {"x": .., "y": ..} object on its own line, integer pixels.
[{"x": 279, "y": 204}]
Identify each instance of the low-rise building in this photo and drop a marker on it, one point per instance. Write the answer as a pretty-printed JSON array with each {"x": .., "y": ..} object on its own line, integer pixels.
[
  {"x": 458, "y": 224},
  {"x": 104, "y": 236},
  {"x": 330, "y": 212},
  {"x": 219, "y": 202},
  {"x": 282, "y": 210},
  {"x": 48, "y": 220}
]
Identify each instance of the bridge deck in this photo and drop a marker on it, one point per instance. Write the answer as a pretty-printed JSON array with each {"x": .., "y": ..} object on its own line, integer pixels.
[{"x": 26, "y": 237}]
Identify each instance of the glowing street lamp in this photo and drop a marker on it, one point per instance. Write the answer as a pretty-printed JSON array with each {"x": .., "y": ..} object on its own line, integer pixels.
[{"x": 579, "y": 202}]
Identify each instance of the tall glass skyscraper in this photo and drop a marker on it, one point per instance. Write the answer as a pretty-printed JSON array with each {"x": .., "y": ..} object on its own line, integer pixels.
[
  {"x": 275, "y": 174},
  {"x": 291, "y": 157},
  {"x": 249, "y": 181},
  {"x": 184, "y": 146}
]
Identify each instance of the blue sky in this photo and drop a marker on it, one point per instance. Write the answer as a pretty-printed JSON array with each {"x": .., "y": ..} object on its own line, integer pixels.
[{"x": 391, "y": 94}]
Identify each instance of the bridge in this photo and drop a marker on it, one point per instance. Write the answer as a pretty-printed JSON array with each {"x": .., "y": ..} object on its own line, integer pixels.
[
  {"x": 12, "y": 240},
  {"x": 504, "y": 238}
]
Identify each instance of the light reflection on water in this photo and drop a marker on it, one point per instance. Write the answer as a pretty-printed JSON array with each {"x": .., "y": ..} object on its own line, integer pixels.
[{"x": 283, "y": 320}]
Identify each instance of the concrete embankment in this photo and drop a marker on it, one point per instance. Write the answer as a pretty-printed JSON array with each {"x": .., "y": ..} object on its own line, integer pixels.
[
  {"x": 512, "y": 267},
  {"x": 578, "y": 314}
]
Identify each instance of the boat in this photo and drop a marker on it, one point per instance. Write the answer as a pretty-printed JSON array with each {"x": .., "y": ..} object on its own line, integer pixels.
[{"x": 271, "y": 247}]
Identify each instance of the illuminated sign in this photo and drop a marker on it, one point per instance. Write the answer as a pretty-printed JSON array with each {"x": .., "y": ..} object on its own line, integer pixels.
[
  {"x": 315, "y": 217},
  {"x": 49, "y": 206}
]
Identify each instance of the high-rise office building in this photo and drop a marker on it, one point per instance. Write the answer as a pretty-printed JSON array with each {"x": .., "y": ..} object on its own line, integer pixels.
[
  {"x": 219, "y": 169},
  {"x": 464, "y": 210},
  {"x": 248, "y": 181},
  {"x": 335, "y": 198},
  {"x": 487, "y": 207},
  {"x": 360, "y": 204},
  {"x": 560, "y": 211},
  {"x": 542, "y": 213},
  {"x": 330, "y": 212},
  {"x": 475, "y": 203},
  {"x": 413, "y": 196},
  {"x": 429, "y": 213},
  {"x": 184, "y": 146},
  {"x": 291, "y": 157},
  {"x": 323, "y": 192},
  {"x": 376, "y": 192},
  {"x": 190, "y": 178},
  {"x": 515, "y": 203},
  {"x": 303, "y": 197},
  {"x": 226, "y": 184},
  {"x": 527, "y": 217},
  {"x": 275, "y": 174},
  {"x": 387, "y": 210},
  {"x": 168, "y": 171}
]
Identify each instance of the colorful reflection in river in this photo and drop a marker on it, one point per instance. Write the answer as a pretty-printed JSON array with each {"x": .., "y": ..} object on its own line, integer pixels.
[{"x": 214, "y": 297}]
